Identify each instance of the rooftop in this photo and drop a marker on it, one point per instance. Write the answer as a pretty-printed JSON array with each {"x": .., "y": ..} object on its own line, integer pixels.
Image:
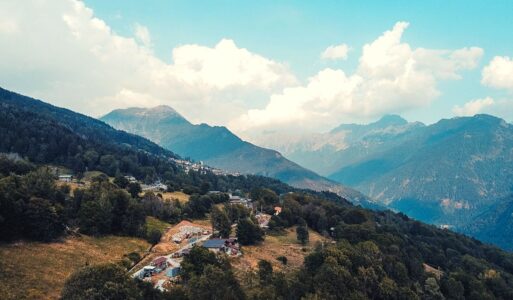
[
  {"x": 159, "y": 260},
  {"x": 214, "y": 243}
]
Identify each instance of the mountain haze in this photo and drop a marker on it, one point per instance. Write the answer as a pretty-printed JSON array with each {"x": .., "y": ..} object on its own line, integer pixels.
[
  {"x": 218, "y": 147},
  {"x": 440, "y": 173},
  {"x": 456, "y": 172},
  {"x": 348, "y": 143}
]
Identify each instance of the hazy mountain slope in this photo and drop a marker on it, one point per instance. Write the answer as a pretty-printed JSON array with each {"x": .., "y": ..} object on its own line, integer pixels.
[
  {"x": 453, "y": 172},
  {"x": 444, "y": 173},
  {"x": 218, "y": 147},
  {"x": 495, "y": 225},
  {"x": 347, "y": 144}
]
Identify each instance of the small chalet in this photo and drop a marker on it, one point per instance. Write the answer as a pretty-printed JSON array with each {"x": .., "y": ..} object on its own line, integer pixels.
[
  {"x": 215, "y": 245},
  {"x": 146, "y": 271},
  {"x": 130, "y": 178},
  {"x": 277, "y": 210},
  {"x": 160, "y": 263},
  {"x": 65, "y": 178},
  {"x": 228, "y": 246},
  {"x": 240, "y": 200}
]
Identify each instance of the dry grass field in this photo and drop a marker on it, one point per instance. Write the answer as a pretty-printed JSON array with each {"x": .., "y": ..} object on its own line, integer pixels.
[
  {"x": 275, "y": 246},
  {"x": 180, "y": 196},
  {"x": 30, "y": 270}
]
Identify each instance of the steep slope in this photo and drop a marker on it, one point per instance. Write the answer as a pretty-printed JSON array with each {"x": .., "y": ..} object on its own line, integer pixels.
[
  {"x": 443, "y": 173},
  {"x": 84, "y": 126},
  {"x": 218, "y": 147},
  {"x": 495, "y": 225},
  {"x": 45, "y": 134}
]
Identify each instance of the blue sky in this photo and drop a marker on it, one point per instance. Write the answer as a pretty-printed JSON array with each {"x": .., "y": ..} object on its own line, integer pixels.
[
  {"x": 296, "y": 32},
  {"x": 259, "y": 66}
]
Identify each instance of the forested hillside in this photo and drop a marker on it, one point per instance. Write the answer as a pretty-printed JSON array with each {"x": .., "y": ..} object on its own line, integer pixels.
[
  {"x": 370, "y": 255},
  {"x": 219, "y": 147}
]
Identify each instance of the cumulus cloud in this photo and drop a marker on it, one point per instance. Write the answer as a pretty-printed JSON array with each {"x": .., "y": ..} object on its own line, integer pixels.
[
  {"x": 59, "y": 51},
  {"x": 226, "y": 65},
  {"x": 499, "y": 73},
  {"x": 142, "y": 34},
  {"x": 501, "y": 107},
  {"x": 336, "y": 52},
  {"x": 391, "y": 77},
  {"x": 473, "y": 107}
]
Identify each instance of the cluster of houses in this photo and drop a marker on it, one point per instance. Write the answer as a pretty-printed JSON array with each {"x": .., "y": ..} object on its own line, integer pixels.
[
  {"x": 191, "y": 166},
  {"x": 169, "y": 266},
  {"x": 154, "y": 187},
  {"x": 200, "y": 167},
  {"x": 246, "y": 202},
  {"x": 158, "y": 265}
]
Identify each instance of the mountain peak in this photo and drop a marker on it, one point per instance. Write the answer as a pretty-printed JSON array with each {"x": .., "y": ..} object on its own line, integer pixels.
[
  {"x": 388, "y": 120},
  {"x": 385, "y": 121},
  {"x": 158, "y": 112},
  {"x": 163, "y": 109}
]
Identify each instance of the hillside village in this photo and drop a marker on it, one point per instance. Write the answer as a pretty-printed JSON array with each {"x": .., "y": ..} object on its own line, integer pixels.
[
  {"x": 164, "y": 267},
  {"x": 188, "y": 166},
  {"x": 161, "y": 266}
]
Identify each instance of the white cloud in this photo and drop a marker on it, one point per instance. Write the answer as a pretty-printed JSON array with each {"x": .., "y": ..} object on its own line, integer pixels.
[
  {"x": 499, "y": 73},
  {"x": 473, "y": 107},
  {"x": 8, "y": 26},
  {"x": 142, "y": 34},
  {"x": 60, "y": 52},
  {"x": 336, "y": 52},
  {"x": 391, "y": 77},
  {"x": 226, "y": 65}
]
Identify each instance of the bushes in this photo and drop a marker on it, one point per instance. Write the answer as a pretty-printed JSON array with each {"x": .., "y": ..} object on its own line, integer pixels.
[
  {"x": 220, "y": 222},
  {"x": 100, "y": 282},
  {"x": 106, "y": 209},
  {"x": 110, "y": 281},
  {"x": 43, "y": 220},
  {"x": 209, "y": 276},
  {"x": 302, "y": 234},
  {"x": 282, "y": 259},
  {"x": 154, "y": 236},
  {"x": 249, "y": 233},
  {"x": 31, "y": 207}
]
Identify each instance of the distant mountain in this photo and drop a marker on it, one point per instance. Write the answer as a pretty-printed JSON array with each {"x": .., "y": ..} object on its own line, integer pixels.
[
  {"x": 48, "y": 135},
  {"x": 453, "y": 166},
  {"x": 448, "y": 173},
  {"x": 442, "y": 173},
  {"x": 218, "y": 147},
  {"x": 495, "y": 225},
  {"x": 347, "y": 144}
]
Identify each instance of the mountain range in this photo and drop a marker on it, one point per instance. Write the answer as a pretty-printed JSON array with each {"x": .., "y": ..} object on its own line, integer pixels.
[
  {"x": 219, "y": 147},
  {"x": 367, "y": 255},
  {"x": 450, "y": 173},
  {"x": 456, "y": 172}
]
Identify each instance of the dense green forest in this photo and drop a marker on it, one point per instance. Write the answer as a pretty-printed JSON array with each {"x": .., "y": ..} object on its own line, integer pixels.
[
  {"x": 374, "y": 254},
  {"x": 35, "y": 134}
]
